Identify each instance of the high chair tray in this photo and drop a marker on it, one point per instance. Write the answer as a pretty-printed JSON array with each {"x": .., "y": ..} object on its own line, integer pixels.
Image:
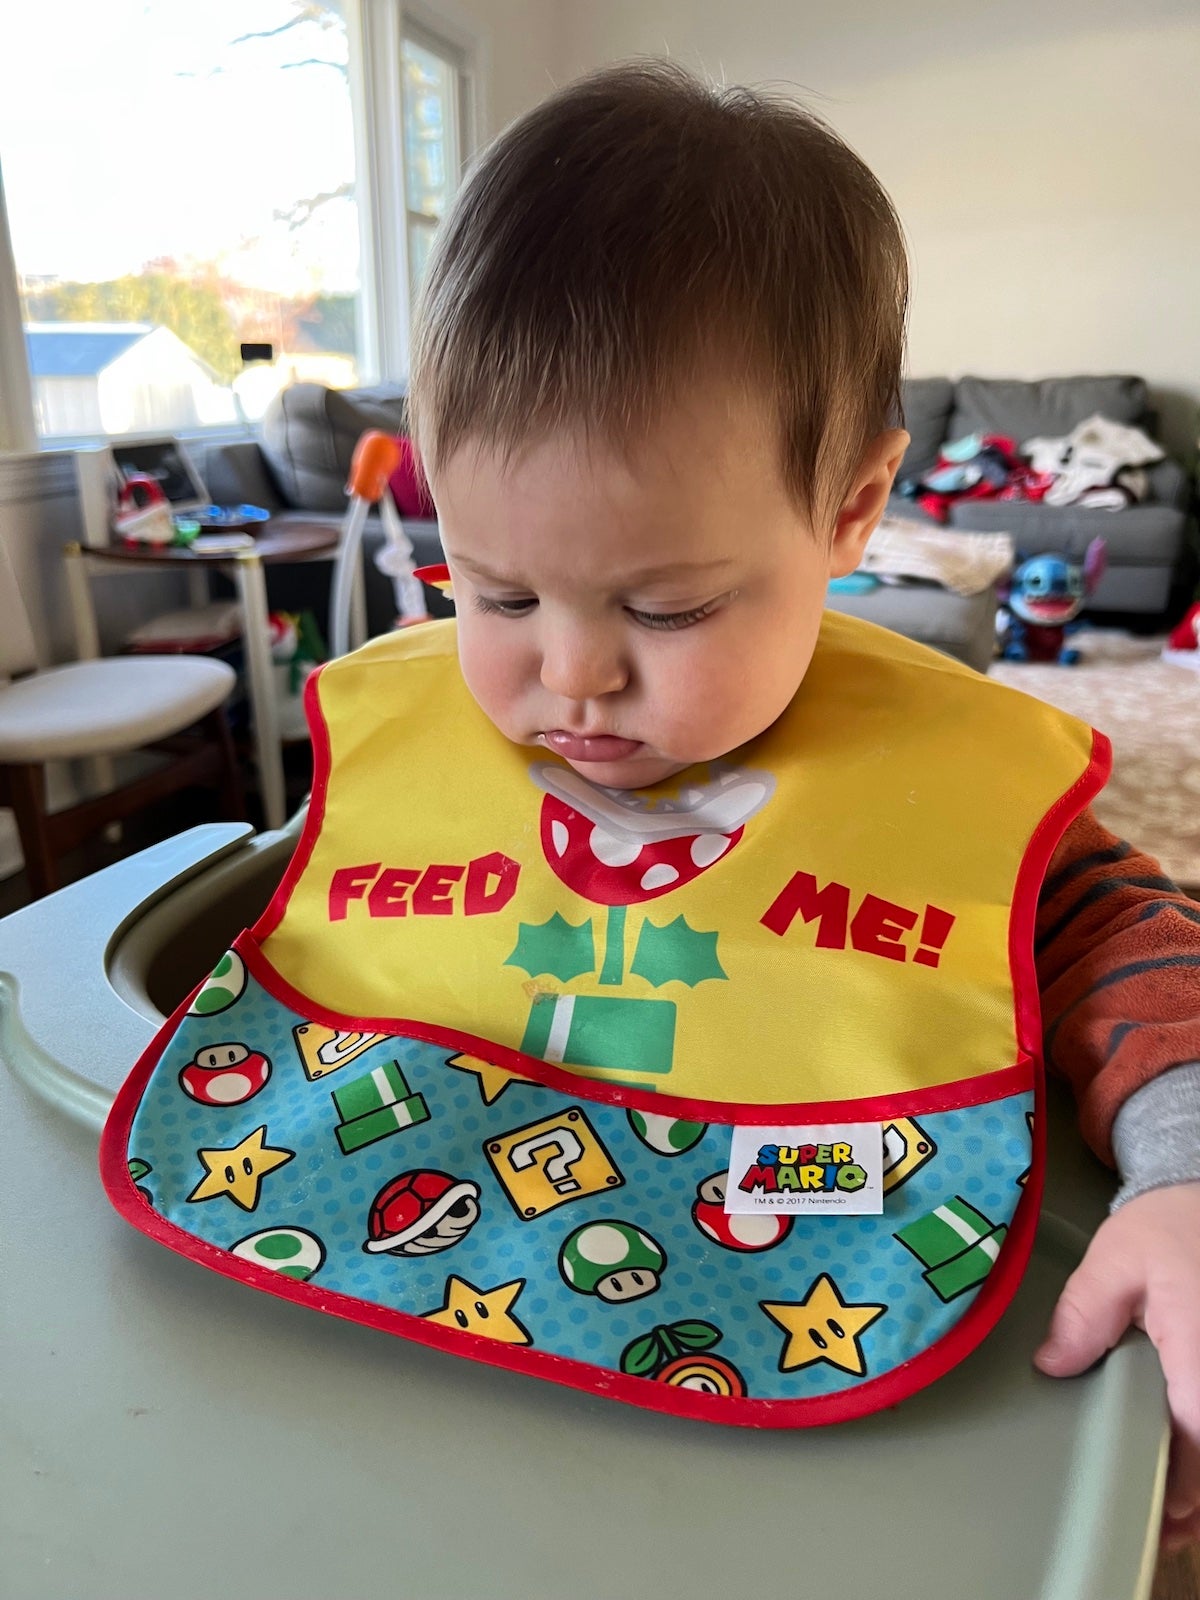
[{"x": 168, "y": 1430}]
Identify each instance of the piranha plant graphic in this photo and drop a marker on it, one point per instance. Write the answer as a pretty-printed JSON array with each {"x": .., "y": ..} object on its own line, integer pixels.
[
  {"x": 679, "y": 1354},
  {"x": 620, "y": 848}
]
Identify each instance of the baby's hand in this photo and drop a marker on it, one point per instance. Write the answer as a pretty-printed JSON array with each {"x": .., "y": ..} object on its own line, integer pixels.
[{"x": 1143, "y": 1267}]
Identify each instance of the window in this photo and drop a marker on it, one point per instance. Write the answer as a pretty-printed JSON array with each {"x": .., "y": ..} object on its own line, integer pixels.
[
  {"x": 434, "y": 101},
  {"x": 189, "y": 179}
]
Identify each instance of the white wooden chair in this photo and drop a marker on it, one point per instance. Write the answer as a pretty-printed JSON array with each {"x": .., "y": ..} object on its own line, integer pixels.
[{"x": 99, "y": 709}]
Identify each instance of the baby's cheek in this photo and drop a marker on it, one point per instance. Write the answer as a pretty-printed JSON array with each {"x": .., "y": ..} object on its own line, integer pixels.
[{"x": 491, "y": 669}]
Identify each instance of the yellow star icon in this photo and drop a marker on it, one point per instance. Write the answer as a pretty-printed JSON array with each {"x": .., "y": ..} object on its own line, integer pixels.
[
  {"x": 493, "y": 1080},
  {"x": 482, "y": 1311},
  {"x": 239, "y": 1172},
  {"x": 822, "y": 1327}
]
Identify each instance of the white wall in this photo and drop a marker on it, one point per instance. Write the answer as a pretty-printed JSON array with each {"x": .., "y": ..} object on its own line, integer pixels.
[{"x": 1043, "y": 155}]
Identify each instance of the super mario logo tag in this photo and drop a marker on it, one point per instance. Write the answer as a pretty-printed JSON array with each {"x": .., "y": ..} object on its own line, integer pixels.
[
  {"x": 837, "y": 1167},
  {"x": 804, "y": 1169}
]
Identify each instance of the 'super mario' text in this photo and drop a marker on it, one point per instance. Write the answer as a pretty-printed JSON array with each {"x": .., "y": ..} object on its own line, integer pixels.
[{"x": 804, "y": 1169}]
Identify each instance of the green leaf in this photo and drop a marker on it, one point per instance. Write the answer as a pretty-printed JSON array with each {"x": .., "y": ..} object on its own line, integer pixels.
[
  {"x": 676, "y": 953},
  {"x": 139, "y": 1168},
  {"x": 642, "y": 1357},
  {"x": 664, "y": 1343},
  {"x": 558, "y": 947},
  {"x": 695, "y": 1335}
]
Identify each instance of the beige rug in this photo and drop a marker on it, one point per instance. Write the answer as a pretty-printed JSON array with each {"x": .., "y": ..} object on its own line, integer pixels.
[{"x": 1151, "y": 712}]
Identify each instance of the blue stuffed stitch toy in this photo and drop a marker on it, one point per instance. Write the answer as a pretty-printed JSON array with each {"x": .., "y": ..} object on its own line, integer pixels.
[{"x": 1045, "y": 596}]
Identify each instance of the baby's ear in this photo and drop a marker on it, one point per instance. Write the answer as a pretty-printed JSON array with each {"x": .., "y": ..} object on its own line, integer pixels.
[{"x": 867, "y": 501}]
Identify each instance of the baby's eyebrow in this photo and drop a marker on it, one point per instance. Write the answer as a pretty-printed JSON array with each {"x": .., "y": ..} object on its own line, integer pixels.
[
  {"x": 678, "y": 569},
  {"x": 674, "y": 569}
]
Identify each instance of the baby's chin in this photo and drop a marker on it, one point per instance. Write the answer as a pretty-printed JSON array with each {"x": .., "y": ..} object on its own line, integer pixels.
[
  {"x": 642, "y": 770},
  {"x": 637, "y": 773}
]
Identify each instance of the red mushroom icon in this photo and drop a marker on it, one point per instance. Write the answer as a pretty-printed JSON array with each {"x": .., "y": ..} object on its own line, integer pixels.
[
  {"x": 225, "y": 1074},
  {"x": 735, "y": 1233},
  {"x": 420, "y": 1213}
]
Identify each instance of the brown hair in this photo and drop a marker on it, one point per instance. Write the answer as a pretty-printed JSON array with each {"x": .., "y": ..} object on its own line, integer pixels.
[{"x": 638, "y": 228}]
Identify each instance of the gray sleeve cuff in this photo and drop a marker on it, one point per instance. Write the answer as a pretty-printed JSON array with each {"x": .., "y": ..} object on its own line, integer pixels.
[{"x": 1156, "y": 1136}]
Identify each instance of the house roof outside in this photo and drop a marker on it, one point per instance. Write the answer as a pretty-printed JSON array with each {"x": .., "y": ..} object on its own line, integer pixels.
[{"x": 79, "y": 349}]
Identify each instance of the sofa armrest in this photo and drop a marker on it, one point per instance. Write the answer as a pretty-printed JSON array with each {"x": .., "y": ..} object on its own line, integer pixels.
[
  {"x": 237, "y": 474},
  {"x": 1169, "y": 484}
]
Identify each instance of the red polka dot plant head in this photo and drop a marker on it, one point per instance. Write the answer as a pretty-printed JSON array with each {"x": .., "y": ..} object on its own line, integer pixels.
[{"x": 621, "y": 847}]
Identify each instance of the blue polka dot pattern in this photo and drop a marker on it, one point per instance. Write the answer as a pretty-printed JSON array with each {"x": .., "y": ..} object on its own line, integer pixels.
[{"x": 922, "y": 1261}]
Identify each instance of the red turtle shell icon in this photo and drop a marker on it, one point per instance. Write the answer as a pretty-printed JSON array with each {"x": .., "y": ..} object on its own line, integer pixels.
[{"x": 420, "y": 1213}]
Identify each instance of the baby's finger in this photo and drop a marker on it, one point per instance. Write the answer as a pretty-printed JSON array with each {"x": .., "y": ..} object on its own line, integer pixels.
[
  {"x": 1092, "y": 1313},
  {"x": 1177, "y": 1338}
]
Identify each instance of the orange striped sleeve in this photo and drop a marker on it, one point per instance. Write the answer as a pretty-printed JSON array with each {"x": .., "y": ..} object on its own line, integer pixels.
[{"x": 1118, "y": 964}]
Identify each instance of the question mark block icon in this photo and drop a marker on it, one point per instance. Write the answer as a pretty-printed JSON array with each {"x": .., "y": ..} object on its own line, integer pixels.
[{"x": 547, "y": 1163}]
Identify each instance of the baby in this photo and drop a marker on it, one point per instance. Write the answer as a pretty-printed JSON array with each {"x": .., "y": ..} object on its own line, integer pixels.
[{"x": 656, "y": 389}]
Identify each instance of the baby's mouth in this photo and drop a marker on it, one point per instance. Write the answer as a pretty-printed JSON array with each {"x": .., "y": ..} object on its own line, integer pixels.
[{"x": 590, "y": 747}]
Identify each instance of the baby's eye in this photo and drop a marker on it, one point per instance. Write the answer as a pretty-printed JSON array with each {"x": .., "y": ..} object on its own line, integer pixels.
[
  {"x": 672, "y": 619},
  {"x": 504, "y": 608}
]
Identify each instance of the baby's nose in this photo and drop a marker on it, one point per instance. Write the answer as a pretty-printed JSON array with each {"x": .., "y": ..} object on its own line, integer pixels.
[{"x": 582, "y": 666}]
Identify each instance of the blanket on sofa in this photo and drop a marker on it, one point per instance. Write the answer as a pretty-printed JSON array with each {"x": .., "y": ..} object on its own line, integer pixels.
[{"x": 967, "y": 563}]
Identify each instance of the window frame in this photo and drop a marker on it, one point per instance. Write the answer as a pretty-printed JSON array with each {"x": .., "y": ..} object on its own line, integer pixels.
[
  {"x": 414, "y": 31},
  {"x": 376, "y": 29}
]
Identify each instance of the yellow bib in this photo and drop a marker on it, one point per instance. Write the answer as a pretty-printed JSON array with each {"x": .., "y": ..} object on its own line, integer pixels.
[
  {"x": 806, "y": 972},
  {"x": 840, "y": 910}
]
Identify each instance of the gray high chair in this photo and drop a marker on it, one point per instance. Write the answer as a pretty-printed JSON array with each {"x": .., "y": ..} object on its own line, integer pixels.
[{"x": 170, "y": 1433}]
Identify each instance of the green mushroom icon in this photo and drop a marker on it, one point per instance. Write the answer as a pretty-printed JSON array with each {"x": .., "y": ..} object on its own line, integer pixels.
[{"x": 614, "y": 1260}]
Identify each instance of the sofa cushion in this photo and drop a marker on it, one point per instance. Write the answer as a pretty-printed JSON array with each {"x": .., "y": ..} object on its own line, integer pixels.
[
  {"x": 309, "y": 433},
  {"x": 1047, "y": 408},
  {"x": 927, "y": 405},
  {"x": 1139, "y": 536},
  {"x": 963, "y": 626},
  {"x": 237, "y": 474}
]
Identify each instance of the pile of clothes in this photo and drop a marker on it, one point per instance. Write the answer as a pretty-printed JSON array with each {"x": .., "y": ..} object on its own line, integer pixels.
[{"x": 1099, "y": 466}]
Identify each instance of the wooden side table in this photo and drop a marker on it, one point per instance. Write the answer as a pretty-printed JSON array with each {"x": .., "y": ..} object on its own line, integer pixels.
[{"x": 294, "y": 540}]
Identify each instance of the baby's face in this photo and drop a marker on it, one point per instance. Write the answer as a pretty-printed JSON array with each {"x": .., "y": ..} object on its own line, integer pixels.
[{"x": 636, "y": 615}]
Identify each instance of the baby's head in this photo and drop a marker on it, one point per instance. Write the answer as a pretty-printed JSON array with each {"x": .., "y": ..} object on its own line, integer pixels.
[{"x": 655, "y": 384}]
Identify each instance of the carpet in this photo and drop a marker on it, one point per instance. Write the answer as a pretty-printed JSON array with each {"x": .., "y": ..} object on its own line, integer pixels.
[{"x": 1150, "y": 710}]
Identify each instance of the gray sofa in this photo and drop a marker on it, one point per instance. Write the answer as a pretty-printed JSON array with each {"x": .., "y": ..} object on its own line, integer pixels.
[
  {"x": 1144, "y": 543},
  {"x": 299, "y": 467}
]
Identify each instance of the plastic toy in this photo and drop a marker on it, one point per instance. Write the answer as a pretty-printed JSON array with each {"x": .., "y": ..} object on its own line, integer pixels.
[
  {"x": 1045, "y": 596},
  {"x": 376, "y": 456},
  {"x": 1185, "y": 635},
  {"x": 143, "y": 513}
]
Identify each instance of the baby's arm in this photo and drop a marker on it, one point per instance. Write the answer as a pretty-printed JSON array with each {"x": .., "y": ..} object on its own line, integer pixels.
[{"x": 1119, "y": 969}]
